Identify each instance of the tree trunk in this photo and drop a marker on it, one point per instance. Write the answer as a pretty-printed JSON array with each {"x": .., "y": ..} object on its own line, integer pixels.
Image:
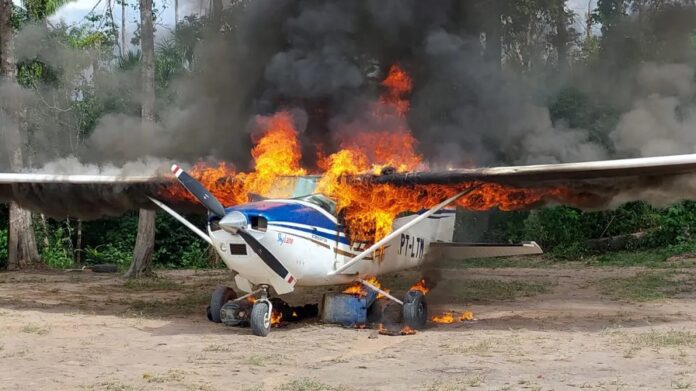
[
  {"x": 22, "y": 252},
  {"x": 145, "y": 240},
  {"x": 124, "y": 49},
  {"x": 216, "y": 14},
  {"x": 493, "y": 30},
  {"x": 144, "y": 245},
  {"x": 562, "y": 38},
  {"x": 147, "y": 45}
]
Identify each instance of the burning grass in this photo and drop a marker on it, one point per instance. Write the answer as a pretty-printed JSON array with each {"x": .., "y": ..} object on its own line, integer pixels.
[{"x": 448, "y": 317}]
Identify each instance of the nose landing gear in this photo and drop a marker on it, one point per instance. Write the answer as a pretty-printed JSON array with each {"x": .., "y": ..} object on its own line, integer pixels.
[
  {"x": 261, "y": 312},
  {"x": 225, "y": 307}
]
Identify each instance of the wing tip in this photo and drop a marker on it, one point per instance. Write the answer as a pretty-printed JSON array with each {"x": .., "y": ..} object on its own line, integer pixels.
[{"x": 176, "y": 170}]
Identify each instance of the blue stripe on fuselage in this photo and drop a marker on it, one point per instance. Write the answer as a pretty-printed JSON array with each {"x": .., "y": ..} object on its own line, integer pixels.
[
  {"x": 274, "y": 211},
  {"x": 332, "y": 237}
]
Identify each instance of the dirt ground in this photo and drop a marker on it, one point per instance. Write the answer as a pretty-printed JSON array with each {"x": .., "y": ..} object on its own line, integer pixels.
[{"x": 535, "y": 329}]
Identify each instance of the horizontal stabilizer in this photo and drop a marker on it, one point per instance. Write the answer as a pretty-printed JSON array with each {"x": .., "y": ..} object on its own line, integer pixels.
[{"x": 450, "y": 250}]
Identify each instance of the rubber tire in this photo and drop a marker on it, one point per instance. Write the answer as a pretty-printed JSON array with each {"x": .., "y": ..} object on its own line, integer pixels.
[
  {"x": 220, "y": 296},
  {"x": 260, "y": 323},
  {"x": 415, "y": 310},
  {"x": 104, "y": 268}
]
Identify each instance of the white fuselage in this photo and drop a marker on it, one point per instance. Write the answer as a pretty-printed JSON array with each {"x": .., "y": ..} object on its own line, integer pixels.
[{"x": 311, "y": 251}]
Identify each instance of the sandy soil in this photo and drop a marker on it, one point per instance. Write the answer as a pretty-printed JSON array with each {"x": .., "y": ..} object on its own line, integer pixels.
[{"x": 87, "y": 331}]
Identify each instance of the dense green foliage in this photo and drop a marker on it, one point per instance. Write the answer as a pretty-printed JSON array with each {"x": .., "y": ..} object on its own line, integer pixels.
[
  {"x": 566, "y": 231},
  {"x": 111, "y": 241}
]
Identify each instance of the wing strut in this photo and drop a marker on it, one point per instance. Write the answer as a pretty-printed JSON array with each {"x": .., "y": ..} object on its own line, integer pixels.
[
  {"x": 401, "y": 229},
  {"x": 182, "y": 220}
]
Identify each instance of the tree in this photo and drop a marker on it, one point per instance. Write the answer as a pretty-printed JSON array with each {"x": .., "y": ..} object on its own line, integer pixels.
[
  {"x": 145, "y": 239},
  {"x": 40, "y": 9},
  {"x": 216, "y": 14},
  {"x": 22, "y": 252},
  {"x": 123, "y": 28},
  {"x": 493, "y": 29}
]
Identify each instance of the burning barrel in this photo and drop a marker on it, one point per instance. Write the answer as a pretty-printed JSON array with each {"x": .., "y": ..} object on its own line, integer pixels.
[{"x": 346, "y": 309}]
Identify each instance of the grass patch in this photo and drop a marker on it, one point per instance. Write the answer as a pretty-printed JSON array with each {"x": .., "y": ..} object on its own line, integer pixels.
[
  {"x": 150, "y": 284},
  {"x": 263, "y": 360},
  {"x": 217, "y": 348},
  {"x": 478, "y": 349},
  {"x": 498, "y": 263},
  {"x": 656, "y": 340},
  {"x": 35, "y": 329},
  {"x": 648, "y": 258},
  {"x": 185, "y": 305},
  {"x": 491, "y": 290},
  {"x": 454, "y": 384},
  {"x": 171, "y": 376},
  {"x": 309, "y": 384},
  {"x": 646, "y": 286},
  {"x": 110, "y": 386}
]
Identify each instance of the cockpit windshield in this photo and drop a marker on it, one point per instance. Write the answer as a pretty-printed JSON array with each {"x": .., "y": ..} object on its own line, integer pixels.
[{"x": 322, "y": 201}]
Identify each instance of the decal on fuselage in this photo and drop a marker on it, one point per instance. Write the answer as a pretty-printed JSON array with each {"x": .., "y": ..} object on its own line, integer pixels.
[
  {"x": 284, "y": 239},
  {"x": 412, "y": 246}
]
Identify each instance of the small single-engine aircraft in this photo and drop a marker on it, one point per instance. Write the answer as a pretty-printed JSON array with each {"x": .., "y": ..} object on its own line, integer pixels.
[{"x": 288, "y": 242}]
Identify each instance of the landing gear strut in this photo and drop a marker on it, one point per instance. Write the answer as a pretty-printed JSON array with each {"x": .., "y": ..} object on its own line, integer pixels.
[{"x": 260, "y": 319}]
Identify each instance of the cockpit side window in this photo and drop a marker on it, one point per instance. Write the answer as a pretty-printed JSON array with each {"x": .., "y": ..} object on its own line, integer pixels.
[{"x": 322, "y": 201}]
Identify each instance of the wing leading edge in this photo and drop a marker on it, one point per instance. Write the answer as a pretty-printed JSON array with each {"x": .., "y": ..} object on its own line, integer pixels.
[
  {"x": 83, "y": 196},
  {"x": 542, "y": 174}
]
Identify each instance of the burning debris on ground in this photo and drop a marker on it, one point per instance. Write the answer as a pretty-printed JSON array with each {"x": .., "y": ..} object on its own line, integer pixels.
[{"x": 448, "y": 317}]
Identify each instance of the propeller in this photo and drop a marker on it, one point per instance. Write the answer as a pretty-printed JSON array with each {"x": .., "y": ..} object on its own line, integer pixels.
[
  {"x": 236, "y": 223},
  {"x": 199, "y": 191}
]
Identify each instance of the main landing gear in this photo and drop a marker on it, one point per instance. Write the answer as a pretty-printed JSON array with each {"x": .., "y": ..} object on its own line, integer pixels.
[
  {"x": 225, "y": 307},
  {"x": 377, "y": 307},
  {"x": 415, "y": 310}
]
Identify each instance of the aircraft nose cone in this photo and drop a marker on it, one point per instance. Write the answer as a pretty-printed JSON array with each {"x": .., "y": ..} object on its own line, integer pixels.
[{"x": 233, "y": 222}]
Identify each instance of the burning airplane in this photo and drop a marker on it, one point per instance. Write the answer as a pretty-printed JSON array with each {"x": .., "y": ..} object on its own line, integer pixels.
[{"x": 370, "y": 208}]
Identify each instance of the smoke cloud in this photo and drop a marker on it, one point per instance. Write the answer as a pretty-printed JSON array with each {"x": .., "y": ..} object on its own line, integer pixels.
[{"x": 324, "y": 61}]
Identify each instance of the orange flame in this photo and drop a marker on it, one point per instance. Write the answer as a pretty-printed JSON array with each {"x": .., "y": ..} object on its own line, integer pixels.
[
  {"x": 276, "y": 154},
  {"x": 399, "y": 85},
  {"x": 368, "y": 210},
  {"x": 276, "y": 318},
  {"x": 420, "y": 286},
  {"x": 445, "y": 318},
  {"x": 360, "y": 290},
  {"x": 406, "y": 330},
  {"x": 466, "y": 315},
  {"x": 448, "y": 317}
]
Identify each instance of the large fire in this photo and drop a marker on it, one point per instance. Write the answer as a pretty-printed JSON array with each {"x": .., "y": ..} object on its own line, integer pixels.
[{"x": 368, "y": 209}]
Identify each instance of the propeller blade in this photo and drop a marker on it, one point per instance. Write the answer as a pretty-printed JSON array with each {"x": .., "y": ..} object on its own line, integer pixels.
[
  {"x": 267, "y": 257},
  {"x": 199, "y": 191}
]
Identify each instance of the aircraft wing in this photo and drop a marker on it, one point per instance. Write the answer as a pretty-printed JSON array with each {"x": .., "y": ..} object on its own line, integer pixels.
[
  {"x": 84, "y": 196},
  {"x": 544, "y": 174},
  {"x": 591, "y": 185}
]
